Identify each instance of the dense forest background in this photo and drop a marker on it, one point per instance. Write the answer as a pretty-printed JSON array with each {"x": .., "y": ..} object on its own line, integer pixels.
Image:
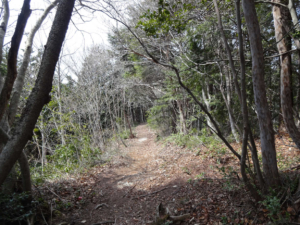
[{"x": 197, "y": 72}]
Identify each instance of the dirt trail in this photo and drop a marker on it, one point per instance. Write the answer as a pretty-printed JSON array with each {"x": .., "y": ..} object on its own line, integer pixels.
[
  {"x": 142, "y": 151},
  {"x": 132, "y": 186},
  {"x": 147, "y": 173}
]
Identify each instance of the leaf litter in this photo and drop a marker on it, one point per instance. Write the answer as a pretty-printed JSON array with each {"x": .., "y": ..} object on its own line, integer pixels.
[{"x": 202, "y": 188}]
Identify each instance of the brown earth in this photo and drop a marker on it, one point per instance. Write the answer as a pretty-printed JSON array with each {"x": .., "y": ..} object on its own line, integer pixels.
[{"x": 129, "y": 189}]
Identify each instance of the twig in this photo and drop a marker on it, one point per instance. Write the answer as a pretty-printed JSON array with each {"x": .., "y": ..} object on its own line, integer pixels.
[
  {"x": 100, "y": 205},
  {"x": 129, "y": 190},
  {"x": 151, "y": 193},
  {"x": 44, "y": 217},
  {"x": 56, "y": 194}
]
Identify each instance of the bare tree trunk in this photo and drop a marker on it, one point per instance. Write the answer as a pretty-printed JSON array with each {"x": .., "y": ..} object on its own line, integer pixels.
[
  {"x": 206, "y": 100},
  {"x": 244, "y": 107},
  {"x": 3, "y": 29},
  {"x": 264, "y": 116},
  {"x": 285, "y": 72},
  {"x": 40, "y": 93},
  {"x": 227, "y": 99},
  {"x": 128, "y": 123},
  {"x": 18, "y": 86},
  {"x": 62, "y": 131},
  {"x": 294, "y": 17},
  {"x": 173, "y": 117},
  {"x": 25, "y": 172},
  {"x": 12, "y": 57},
  {"x": 44, "y": 149},
  {"x": 293, "y": 14},
  {"x": 228, "y": 50},
  {"x": 182, "y": 119}
]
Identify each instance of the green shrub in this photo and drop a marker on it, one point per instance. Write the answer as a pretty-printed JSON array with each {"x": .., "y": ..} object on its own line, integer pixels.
[
  {"x": 77, "y": 155},
  {"x": 125, "y": 134},
  {"x": 190, "y": 141},
  {"x": 16, "y": 207}
]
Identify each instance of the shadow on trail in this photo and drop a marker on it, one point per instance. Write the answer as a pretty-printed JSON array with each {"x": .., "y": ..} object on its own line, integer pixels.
[{"x": 103, "y": 197}]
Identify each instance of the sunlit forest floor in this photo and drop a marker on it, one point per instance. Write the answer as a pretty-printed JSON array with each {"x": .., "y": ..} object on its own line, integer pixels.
[{"x": 203, "y": 185}]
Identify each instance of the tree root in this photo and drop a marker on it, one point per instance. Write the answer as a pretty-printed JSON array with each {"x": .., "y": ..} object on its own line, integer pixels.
[{"x": 163, "y": 215}]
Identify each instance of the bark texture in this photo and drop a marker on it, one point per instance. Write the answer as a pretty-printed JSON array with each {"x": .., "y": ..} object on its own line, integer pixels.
[
  {"x": 3, "y": 29},
  {"x": 228, "y": 51},
  {"x": 244, "y": 107},
  {"x": 25, "y": 172},
  {"x": 264, "y": 116},
  {"x": 283, "y": 45},
  {"x": 12, "y": 57},
  {"x": 40, "y": 93},
  {"x": 18, "y": 86}
]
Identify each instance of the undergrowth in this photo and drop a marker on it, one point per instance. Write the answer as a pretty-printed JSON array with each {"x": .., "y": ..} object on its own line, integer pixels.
[
  {"x": 76, "y": 156},
  {"x": 16, "y": 207}
]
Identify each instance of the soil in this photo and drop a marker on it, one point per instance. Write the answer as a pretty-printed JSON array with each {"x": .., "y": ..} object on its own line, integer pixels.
[{"x": 128, "y": 190}]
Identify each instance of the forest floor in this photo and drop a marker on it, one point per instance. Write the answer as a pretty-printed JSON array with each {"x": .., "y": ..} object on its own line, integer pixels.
[{"x": 146, "y": 174}]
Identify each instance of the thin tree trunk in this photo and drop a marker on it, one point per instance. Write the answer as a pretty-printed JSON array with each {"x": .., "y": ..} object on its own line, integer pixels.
[
  {"x": 25, "y": 172},
  {"x": 12, "y": 57},
  {"x": 207, "y": 103},
  {"x": 285, "y": 74},
  {"x": 40, "y": 93},
  {"x": 228, "y": 51},
  {"x": 293, "y": 14},
  {"x": 3, "y": 29},
  {"x": 236, "y": 133},
  {"x": 173, "y": 117},
  {"x": 18, "y": 86},
  {"x": 244, "y": 107},
  {"x": 62, "y": 131},
  {"x": 264, "y": 116},
  {"x": 231, "y": 118},
  {"x": 44, "y": 150},
  {"x": 295, "y": 21},
  {"x": 128, "y": 123},
  {"x": 182, "y": 119},
  {"x": 207, "y": 113}
]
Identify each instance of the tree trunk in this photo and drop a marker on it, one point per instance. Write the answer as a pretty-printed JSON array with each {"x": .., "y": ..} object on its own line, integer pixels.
[
  {"x": 44, "y": 149},
  {"x": 285, "y": 72},
  {"x": 12, "y": 57},
  {"x": 236, "y": 133},
  {"x": 182, "y": 119},
  {"x": 3, "y": 29},
  {"x": 173, "y": 117},
  {"x": 25, "y": 172},
  {"x": 40, "y": 93},
  {"x": 207, "y": 103},
  {"x": 18, "y": 86},
  {"x": 293, "y": 14},
  {"x": 128, "y": 123},
  {"x": 244, "y": 107},
  {"x": 264, "y": 116},
  {"x": 228, "y": 51},
  {"x": 62, "y": 131}
]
